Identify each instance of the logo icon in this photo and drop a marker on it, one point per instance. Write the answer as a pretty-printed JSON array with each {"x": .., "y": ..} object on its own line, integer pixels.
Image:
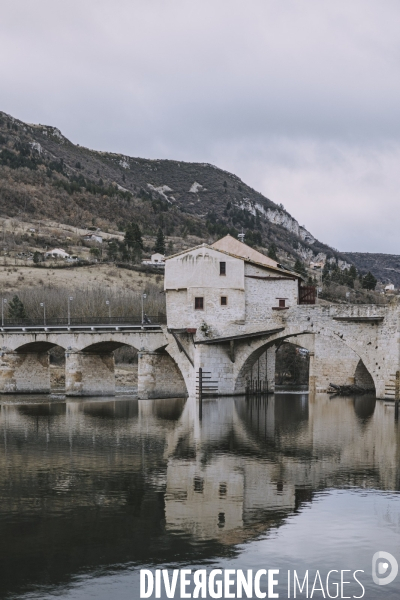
[{"x": 383, "y": 562}]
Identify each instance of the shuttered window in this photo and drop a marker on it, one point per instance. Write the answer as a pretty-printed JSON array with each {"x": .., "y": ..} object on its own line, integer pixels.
[{"x": 199, "y": 303}]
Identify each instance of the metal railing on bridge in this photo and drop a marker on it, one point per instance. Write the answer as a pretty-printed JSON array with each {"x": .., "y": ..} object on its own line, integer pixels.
[{"x": 159, "y": 319}]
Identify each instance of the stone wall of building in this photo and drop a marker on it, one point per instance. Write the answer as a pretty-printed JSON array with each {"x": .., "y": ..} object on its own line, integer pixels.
[
  {"x": 200, "y": 267},
  {"x": 262, "y": 295},
  {"x": 249, "y": 295}
]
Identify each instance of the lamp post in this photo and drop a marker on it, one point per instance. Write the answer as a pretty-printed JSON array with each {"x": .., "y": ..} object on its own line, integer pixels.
[
  {"x": 144, "y": 296},
  {"x": 109, "y": 309},
  {"x": 44, "y": 312},
  {"x": 3, "y": 302},
  {"x": 69, "y": 309}
]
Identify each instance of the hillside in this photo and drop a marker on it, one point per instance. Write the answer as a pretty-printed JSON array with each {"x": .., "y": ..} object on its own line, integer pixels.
[
  {"x": 385, "y": 267},
  {"x": 44, "y": 176}
]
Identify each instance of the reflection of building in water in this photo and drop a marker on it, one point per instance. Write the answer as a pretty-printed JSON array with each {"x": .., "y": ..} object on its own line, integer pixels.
[
  {"x": 105, "y": 483},
  {"x": 204, "y": 500},
  {"x": 280, "y": 450}
]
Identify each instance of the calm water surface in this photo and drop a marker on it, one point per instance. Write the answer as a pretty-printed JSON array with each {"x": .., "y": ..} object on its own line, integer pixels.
[{"x": 90, "y": 491}]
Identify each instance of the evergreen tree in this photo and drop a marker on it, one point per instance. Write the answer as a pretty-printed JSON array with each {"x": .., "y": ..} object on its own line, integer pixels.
[
  {"x": 299, "y": 267},
  {"x": 326, "y": 272},
  {"x": 160, "y": 242},
  {"x": 16, "y": 309},
  {"x": 133, "y": 243},
  {"x": 272, "y": 252},
  {"x": 133, "y": 237},
  {"x": 353, "y": 272},
  {"x": 112, "y": 250},
  {"x": 369, "y": 282}
]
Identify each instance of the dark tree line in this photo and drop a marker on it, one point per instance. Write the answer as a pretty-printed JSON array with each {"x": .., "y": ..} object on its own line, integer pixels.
[
  {"x": 131, "y": 248},
  {"x": 333, "y": 273}
]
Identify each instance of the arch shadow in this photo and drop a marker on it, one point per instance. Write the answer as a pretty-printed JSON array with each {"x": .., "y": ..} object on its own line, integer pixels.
[{"x": 36, "y": 347}]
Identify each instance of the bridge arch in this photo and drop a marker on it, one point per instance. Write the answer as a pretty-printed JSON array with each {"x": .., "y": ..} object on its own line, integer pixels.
[
  {"x": 91, "y": 370},
  {"x": 106, "y": 347},
  {"x": 36, "y": 347},
  {"x": 314, "y": 341},
  {"x": 160, "y": 375}
]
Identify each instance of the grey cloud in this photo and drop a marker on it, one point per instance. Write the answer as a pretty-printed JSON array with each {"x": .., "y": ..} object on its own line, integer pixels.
[{"x": 299, "y": 99}]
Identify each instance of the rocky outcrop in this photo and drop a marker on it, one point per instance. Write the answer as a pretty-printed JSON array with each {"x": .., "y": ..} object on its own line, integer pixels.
[{"x": 279, "y": 217}]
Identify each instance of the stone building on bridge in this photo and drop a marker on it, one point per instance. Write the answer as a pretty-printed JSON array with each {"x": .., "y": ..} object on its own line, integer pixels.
[
  {"x": 230, "y": 307},
  {"x": 226, "y": 286}
]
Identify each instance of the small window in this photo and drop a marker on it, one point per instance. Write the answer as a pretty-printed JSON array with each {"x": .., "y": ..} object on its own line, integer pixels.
[
  {"x": 222, "y": 490},
  {"x": 198, "y": 485},
  {"x": 222, "y": 268},
  {"x": 282, "y": 303},
  {"x": 224, "y": 300},
  {"x": 199, "y": 303}
]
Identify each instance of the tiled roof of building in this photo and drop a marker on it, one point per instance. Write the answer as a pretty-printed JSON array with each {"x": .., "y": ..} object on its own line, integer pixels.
[{"x": 233, "y": 246}]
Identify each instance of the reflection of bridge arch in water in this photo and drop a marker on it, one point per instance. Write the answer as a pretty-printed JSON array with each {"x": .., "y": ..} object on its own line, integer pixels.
[
  {"x": 129, "y": 481},
  {"x": 282, "y": 448}
]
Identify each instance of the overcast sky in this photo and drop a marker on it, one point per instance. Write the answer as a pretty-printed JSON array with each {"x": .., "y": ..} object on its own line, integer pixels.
[{"x": 300, "y": 99}]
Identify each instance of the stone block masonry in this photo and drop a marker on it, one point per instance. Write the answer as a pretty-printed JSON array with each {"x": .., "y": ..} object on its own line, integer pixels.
[
  {"x": 159, "y": 376},
  {"x": 24, "y": 373},
  {"x": 88, "y": 374}
]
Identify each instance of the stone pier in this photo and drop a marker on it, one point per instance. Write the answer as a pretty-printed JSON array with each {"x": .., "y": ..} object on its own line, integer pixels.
[
  {"x": 330, "y": 362},
  {"x": 89, "y": 374},
  {"x": 24, "y": 373},
  {"x": 159, "y": 376}
]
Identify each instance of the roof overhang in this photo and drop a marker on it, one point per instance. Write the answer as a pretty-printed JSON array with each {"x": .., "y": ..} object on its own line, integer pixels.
[
  {"x": 374, "y": 319},
  {"x": 243, "y": 336}
]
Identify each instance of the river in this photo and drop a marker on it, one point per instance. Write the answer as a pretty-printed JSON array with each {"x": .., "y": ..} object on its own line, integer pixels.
[{"x": 93, "y": 490}]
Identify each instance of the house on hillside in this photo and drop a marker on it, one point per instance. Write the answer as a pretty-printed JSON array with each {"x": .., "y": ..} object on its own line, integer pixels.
[
  {"x": 93, "y": 237},
  {"x": 389, "y": 289},
  {"x": 156, "y": 260},
  {"x": 317, "y": 266},
  {"x": 227, "y": 284},
  {"x": 57, "y": 253}
]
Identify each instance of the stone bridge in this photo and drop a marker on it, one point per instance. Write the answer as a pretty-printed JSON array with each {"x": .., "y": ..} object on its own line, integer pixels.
[
  {"x": 347, "y": 344},
  {"x": 351, "y": 343},
  {"x": 89, "y": 359}
]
